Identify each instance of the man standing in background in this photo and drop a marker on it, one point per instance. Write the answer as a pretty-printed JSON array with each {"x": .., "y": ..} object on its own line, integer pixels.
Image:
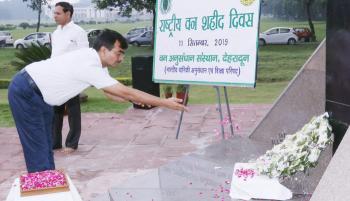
[{"x": 67, "y": 37}]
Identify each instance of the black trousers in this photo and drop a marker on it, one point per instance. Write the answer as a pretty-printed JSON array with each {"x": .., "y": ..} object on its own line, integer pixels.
[{"x": 74, "y": 119}]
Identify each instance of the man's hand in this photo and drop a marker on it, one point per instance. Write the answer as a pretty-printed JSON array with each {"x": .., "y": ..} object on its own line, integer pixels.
[
  {"x": 138, "y": 96},
  {"x": 174, "y": 103}
]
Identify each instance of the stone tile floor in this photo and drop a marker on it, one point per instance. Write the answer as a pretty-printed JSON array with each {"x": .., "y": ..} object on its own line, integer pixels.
[{"x": 115, "y": 147}]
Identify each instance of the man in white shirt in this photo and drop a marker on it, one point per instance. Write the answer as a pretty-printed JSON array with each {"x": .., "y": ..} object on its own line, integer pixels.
[
  {"x": 41, "y": 85},
  {"x": 66, "y": 38}
]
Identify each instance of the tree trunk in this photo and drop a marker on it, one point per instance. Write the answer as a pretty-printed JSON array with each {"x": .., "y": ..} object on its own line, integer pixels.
[
  {"x": 39, "y": 14},
  {"x": 308, "y": 13}
]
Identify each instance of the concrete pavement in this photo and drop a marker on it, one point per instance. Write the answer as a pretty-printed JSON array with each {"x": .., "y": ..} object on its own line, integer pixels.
[{"x": 114, "y": 147}]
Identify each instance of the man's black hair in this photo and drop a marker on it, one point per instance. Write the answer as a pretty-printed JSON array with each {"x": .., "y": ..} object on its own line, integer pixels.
[
  {"x": 66, "y": 7},
  {"x": 107, "y": 38}
]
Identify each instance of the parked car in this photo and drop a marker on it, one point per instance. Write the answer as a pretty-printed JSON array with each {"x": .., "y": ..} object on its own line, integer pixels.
[
  {"x": 135, "y": 32},
  {"x": 142, "y": 39},
  {"x": 92, "y": 34},
  {"x": 303, "y": 33},
  {"x": 6, "y": 36},
  {"x": 42, "y": 38},
  {"x": 2, "y": 43},
  {"x": 278, "y": 35}
]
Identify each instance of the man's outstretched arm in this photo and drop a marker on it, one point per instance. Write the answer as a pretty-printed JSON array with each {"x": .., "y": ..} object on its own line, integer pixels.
[{"x": 138, "y": 96}]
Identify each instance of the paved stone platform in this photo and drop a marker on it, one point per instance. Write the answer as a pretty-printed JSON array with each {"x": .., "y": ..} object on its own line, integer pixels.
[{"x": 115, "y": 147}]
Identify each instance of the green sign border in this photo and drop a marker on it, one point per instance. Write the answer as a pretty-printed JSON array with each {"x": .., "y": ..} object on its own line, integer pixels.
[{"x": 202, "y": 82}]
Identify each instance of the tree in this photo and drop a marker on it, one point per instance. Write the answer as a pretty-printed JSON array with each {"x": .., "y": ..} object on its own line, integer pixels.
[
  {"x": 308, "y": 5},
  {"x": 294, "y": 9},
  {"x": 24, "y": 25},
  {"x": 36, "y": 5},
  {"x": 126, "y": 6}
]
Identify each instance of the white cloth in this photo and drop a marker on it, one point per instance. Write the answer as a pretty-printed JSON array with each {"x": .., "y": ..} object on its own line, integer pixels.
[
  {"x": 63, "y": 77},
  {"x": 68, "y": 38},
  {"x": 71, "y": 195},
  {"x": 258, "y": 186}
]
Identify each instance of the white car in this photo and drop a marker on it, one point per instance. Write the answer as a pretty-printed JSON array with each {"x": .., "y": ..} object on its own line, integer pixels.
[
  {"x": 42, "y": 38},
  {"x": 278, "y": 35},
  {"x": 6, "y": 37}
]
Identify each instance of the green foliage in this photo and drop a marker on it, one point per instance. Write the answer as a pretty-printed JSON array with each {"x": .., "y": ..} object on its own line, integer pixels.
[
  {"x": 180, "y": 88},
  {"x": 167, "y": 88},
  {"x": 24, "y": 25},
  {"x": 7, "y": 27},
  {"x": 4, "y": 83},
  {"x": 294, "y": 9},
  {"x": 126, "y": 6},
  {"x": 6, "y": 119},
  {"x": 125, "y": 80},
  {"x": 31, "y": 54}
]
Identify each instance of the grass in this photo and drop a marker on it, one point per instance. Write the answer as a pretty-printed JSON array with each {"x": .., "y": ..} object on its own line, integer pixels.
[
  {"x": 123, "y": 70},
  {"x": 6, "y": 56},
  {"x": 276, "y": 66},
  {"x": 5, "y": 114},
  {"x": 263, "y": 93},
  {"x": 281, "y": 62},
  {"x": 97, "y": 102}
]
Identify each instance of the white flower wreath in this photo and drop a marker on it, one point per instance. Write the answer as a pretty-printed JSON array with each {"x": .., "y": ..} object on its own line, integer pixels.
[{"x": 298, "y": 151}]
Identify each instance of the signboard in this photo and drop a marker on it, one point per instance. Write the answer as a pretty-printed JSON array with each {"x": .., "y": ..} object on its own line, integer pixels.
[{"x": 206, "y": 42}]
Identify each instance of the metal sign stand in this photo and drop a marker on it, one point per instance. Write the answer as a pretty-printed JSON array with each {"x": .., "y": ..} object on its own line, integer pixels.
[{"x": 219, "y": 108}]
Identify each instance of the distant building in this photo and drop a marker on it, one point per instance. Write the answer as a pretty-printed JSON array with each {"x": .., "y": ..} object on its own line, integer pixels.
[{"x": 88, "y": 13}]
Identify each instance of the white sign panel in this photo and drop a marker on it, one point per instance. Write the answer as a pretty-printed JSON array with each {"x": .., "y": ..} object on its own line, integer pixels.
[{"x": 206, "y": 42}]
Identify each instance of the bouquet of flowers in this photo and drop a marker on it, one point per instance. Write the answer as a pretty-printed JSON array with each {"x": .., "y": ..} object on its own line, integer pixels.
[{"x": 298, "y": 151}]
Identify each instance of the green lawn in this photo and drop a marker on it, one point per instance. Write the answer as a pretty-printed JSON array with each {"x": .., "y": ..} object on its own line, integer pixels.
[
  {"x": 277, "y": 65},
  {"x": 97, "y": 102},
  {"x": 281, "y": 62},
  {"x": 6, "y": 56},
  {"x": 123, "y": 70}
]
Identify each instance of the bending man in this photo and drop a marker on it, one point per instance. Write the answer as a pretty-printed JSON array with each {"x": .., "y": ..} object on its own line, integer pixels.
[{"x": 41, "y": 85}]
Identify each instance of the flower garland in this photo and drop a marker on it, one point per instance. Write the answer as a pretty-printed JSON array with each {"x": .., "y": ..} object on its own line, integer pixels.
[{"x": 298, "y": 151}]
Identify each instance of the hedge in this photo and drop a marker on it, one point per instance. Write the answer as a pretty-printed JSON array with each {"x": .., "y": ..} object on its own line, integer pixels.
[{"x": 4, "y": 83}]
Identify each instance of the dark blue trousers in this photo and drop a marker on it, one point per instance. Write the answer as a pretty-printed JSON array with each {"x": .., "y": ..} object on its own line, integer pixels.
[
  {"x": 74, "y": 120},
  {"x": 33, "y": 118}
]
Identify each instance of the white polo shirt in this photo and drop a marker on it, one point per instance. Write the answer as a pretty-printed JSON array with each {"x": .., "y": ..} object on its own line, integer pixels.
[
  {"x": 68, "y": 38},
  {"x": 63, "y": 77}
]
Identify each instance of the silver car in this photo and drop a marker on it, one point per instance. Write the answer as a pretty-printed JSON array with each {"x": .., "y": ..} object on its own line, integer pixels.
[
  {"x": 42, "y": 38},
  {"x": 134, "y": 32},
  {"x": 142, "y": 39}
]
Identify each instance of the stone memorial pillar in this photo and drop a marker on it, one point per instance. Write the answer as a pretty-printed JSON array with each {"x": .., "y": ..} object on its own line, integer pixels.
[{"x": 338, "y": 66}]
